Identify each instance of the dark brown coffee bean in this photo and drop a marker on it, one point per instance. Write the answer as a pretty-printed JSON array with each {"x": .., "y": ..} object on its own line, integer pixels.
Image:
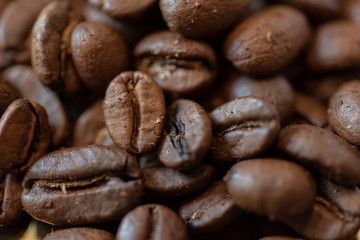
[
  {"x": 342, "y": 37},
  {"x": 177, "y": 64},
  {"x": 8, "y": 94},
  {"x": 134, "y": 110},
  {"x": 10, "y": 198},
  {"x": 80, "y": 233},
  {"x": 322, "y": 150},
  {"x": 351, "y": 10},
  {"x": 243, "y": 128},
  {"x": 276, "y": 90},
  {"x": 324, "y": 222},
  {"x": 24, "y": 134},
  {"x": 272, "y": 187},
  {"x": 187, "y": 135},
  {"x": 310, "y": 109},
  {"x": 210, "y": 211},
  {"x": 318, "y": 10},
  {"x": 99, "y": 54},
  {"x": 15, "y": 26},
  {"x": 151, "y": 221},
  {"x": 193, "y": 18},
  {"x": 280, "y": 238},
  {"x": 344, "y": 112},
  {"x": 124, "y": 9},
  {"x": 167, "y": 183},
  {"x": 23, "y": 79},
  {"x": 83, "y": 185},
  {"x": 268, "y": 40},
  {"x": 50, "y": 51}
]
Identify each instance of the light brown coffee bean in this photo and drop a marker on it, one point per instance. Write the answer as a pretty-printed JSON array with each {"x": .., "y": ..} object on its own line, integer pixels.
[{"x": 134, "y": 110}]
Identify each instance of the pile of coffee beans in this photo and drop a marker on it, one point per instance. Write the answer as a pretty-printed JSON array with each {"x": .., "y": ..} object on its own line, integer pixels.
[{"x": 180, "y": 119}]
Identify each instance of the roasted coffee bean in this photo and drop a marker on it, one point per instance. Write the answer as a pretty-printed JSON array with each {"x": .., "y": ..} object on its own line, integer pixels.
[
  {"x": 277, "y": 90},
  {"x": 151, "y": 221},
  {"x": 342, "y": 37},
  {"x": 124, "y": 9},
  {"x": 8, "y": 94},
  {"x": 10, "y": 198},
  {"x": 23, "y": 79},
  {"x": 81, "y": 233},
  {"x": 193, "y": 18},
  {"x": 24, "y": 134},
  {"x": 82, "y": 185},
  {"x": 280, "y": 238},
  {"x": 187, "y": 135},
  {"x": 310, "y": 109},
  {"x": 167, "y": 183},
  {"x": 209, "y": 211},
  {"x": 178, "y": 65},
  {"x": 134, "y": 110},
  {"x": 322, "y": 150},
  {"x": 344, "y": 112},
  {"x": 271, "y": 187},
  {"x": 15, "y": 26},
  {"x": 268, "y": 40},
  {"x": 351, "y": 10},
  {"x": 243, "y": 128},
  {"x": 51, "y": 47},
  {"x": 318, "y": 10},
  {"x": 324, "y": 222},
  {"x": 99, "y": 54}
]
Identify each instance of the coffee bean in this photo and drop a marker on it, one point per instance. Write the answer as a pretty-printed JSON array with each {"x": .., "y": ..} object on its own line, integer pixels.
[
  {"x": 209, "y": 211},
  {"x": 167, "y": 183},
  {"x": 268, "y": 40},
  {"x": 322, "y": 150},
  {"x": 99, "y": 54},
  {"x": 89, "y": 185},
  {"x": 124, "y": 9},
  {"x": 81, "y": 233},
  {"x": 8, "y": 94},
  {"x": 243, "y": 128},
  {"x": 277, "y": 90},
  {"x": 342, "y": 37},
  {"x": 344, "y": 111},
  {"x": 10, "y": 201},
  {"x": 269, "y": 186},
  {"x": 193, "y": 18},
  {"x": 23, "y": 79},
  {"x": 50, "y": 47},
  {"x": 134, "y": 110},
  {"x": 187, "y": 135},
  {"x": 324, "y": 222},
  {"x": 310, "y": 109},
  {"x": 178, "y": 65},
  {"x": 24, "y": 134},
  {"x": 151, "y": 221}
]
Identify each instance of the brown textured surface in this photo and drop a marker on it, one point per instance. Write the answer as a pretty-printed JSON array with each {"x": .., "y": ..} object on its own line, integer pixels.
[
  {"x": 272, "y": 187},
  {"x": 192, "y": 18},
  {"x": 134, "y": 110},
  {"x": 243, "y": 128},
  {"x": 82, "y": 185},
  {"x": 322, "y": 150},
  {"x": 265, "y": 42},
  {"x": 79, "y": 234},
  {"x": 187, "y": 135},
  {"x": 151, "y": 221}
]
